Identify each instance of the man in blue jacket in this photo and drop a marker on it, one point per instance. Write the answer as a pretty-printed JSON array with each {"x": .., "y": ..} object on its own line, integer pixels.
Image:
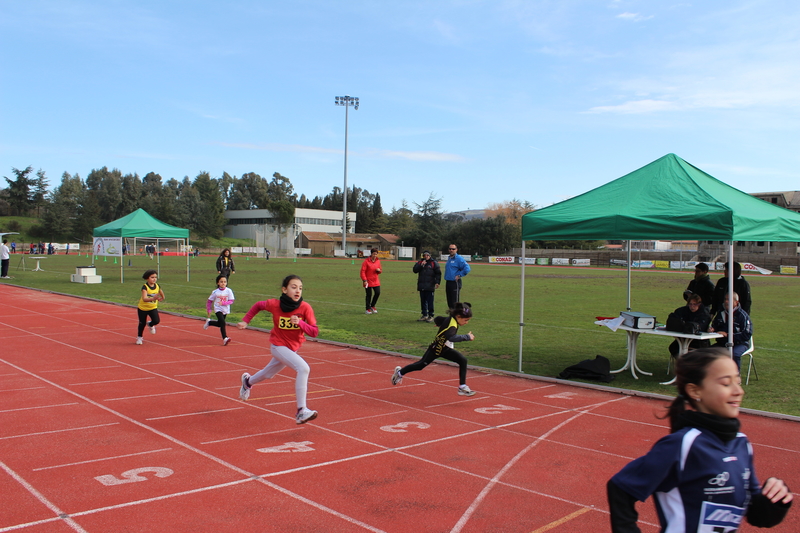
[
  {"x": 455, "y": 269},
  {"x": 742, "y": 328}
]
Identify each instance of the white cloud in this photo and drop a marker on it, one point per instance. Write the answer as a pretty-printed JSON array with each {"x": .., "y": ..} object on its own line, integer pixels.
[
  {"x": 636, "y": 107},
  {"x": 634, "y": 17}
]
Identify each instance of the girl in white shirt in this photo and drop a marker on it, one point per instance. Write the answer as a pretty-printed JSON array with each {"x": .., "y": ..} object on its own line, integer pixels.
[{"x": 220, "y": 300}]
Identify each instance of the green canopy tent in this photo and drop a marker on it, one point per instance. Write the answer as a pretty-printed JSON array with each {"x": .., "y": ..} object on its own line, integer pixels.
[
  {"x": 666, "y": 199},
  {"x": 141, "y": 225}
]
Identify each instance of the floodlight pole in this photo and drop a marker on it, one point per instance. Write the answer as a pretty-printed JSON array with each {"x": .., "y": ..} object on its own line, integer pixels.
[{"x": 346, "y": 101}]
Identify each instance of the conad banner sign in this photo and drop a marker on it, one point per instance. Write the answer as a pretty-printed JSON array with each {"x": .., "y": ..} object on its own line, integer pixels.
[
  {"x": 750, "y": 267},
  {"x": 107, "y": 246},
  {"x": 507, "y": 259}
]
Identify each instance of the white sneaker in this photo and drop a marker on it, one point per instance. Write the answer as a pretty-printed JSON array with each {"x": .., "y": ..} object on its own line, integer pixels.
[
  {"x": 244, "y": 392},
  {"x": 304, "y": 415},
  {"x": 397, "y": 377},
  {"x": 374, "y": 311},
  {"x": 153, "y": 330},
  {"x": 225, "y": 341},
  {"x": 368, "y": 312},
  {"x": 465, "y": 391},
  {"x": 139, "y": 340},
  {"x": 208, "y": 321}
]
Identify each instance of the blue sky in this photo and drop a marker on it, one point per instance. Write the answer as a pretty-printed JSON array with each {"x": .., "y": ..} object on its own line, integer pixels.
[{"x": 475, "y": 102}]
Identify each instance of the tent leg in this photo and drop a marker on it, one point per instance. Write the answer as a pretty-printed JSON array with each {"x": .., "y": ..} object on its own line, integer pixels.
[{"x": 521, "y": 305}]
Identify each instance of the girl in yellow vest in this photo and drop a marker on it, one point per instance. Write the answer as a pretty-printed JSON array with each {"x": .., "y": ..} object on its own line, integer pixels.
[{"x": 148, "y": 304}]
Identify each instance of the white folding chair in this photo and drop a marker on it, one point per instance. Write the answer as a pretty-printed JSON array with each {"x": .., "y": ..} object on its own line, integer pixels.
[{"x": 751, "y": 364}]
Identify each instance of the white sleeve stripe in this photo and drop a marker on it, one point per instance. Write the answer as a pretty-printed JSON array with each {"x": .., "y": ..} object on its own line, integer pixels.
[{"x": 686, "y": 444}]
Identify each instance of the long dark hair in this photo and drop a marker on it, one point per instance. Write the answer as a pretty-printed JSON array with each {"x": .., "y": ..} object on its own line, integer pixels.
[
  {"x": 462, "y": 309},
  {"x": 289, "y": 278},
  {"x": 691, "y": 367},
  {"x": 222, "y": 253}
]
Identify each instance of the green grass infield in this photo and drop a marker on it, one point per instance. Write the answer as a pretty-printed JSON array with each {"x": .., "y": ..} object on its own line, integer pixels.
[{"x": 561, "y": 304}]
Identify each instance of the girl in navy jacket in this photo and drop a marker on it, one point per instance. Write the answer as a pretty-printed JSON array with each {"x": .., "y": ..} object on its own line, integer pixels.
[{"x": 701, "y": 475}]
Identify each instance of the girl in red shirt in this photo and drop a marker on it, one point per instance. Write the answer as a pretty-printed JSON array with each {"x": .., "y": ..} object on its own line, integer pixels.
[
  {"x": 291, "y": 319},
  {"x": 370, "y": 269}
]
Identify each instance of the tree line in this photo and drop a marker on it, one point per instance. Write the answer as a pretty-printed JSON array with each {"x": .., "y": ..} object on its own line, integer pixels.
[{"x": 74, "y": 207}]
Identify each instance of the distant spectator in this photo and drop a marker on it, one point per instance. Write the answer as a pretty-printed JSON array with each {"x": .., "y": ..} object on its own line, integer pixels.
[
  {"x": 370, "y": 270},
  {"x": 740, "y": 287},
  {"x": 694, "y": 317},
  {"x": 742, "y": 328},
  {"x": 455, "y": 269},
  {"x": 225, "y": 264},
  {"x": 13, "y": 247},
  {"x": 429, "y": 276},
  {"x": 701, "y": 284},
  {"x": 5, "y": 260}
]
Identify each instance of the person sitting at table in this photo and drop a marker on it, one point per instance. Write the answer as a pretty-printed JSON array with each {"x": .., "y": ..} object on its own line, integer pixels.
[
  {"x": 695, "y": 318},
  {"x": 742, "y": 328}
]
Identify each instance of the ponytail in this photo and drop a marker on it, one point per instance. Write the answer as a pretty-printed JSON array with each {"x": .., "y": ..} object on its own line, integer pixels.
[{"x": 462, "y": 309}]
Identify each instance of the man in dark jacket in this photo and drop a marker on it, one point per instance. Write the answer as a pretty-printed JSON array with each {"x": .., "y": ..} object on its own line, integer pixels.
[
  {"x": 429, "y": 275},
  {"x": 740, "y": 287},
  {"x": 701, "y": 284}
]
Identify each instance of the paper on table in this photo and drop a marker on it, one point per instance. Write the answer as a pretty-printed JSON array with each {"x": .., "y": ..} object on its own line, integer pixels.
[{"x": 612, "y": 323}]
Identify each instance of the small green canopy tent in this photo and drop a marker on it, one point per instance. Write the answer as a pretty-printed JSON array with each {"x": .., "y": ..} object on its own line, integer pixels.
[
  {"x": 666, "y": 199},
  {"x": 140, "y": 224}
]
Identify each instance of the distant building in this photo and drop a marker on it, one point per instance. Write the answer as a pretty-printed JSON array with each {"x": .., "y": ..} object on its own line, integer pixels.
[
  {"x": 471, "y": 214},
  {"x": 261, "y": 226},
  {"x": 322, "y": 243},
  {"x": 788, "y": 200}
]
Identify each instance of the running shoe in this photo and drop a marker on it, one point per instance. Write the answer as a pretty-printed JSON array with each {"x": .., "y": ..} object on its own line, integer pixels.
[
  {"x": 374, "y": 311},
  {"x": 423, "y": 318},
  {"x": 397, "y": 377},
  {"x": 368, "y": 312},
  {"x": 139, "y": 340},
  {"x": 153, "y": 330},
  {"x": 429, "y": 319},
  {"x": 304, "y": 415},
  {"x": 244, "y": 392},
  {"x": 208, "y": 321},
  {"x": 225, "y": 341},
  {"x": 466, "y": 391}
]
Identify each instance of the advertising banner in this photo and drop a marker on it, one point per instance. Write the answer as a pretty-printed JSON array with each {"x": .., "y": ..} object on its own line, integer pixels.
[
  {"x": 507, "y": 259},
  {"x": 581, "y": 262},
  {"x": 786, "y": 269},
  {"x": 560, "y": 261},
  {"x": 109, "y": 246},
  {"x": 542, "y": 261},
  {"x": 528, "y": 260}
]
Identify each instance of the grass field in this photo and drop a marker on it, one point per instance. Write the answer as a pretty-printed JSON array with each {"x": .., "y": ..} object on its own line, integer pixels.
[{"x": 561, "y": 304}]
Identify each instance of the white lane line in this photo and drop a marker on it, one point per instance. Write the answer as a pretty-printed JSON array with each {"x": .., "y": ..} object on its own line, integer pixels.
[{"x": 100, "y": 459}]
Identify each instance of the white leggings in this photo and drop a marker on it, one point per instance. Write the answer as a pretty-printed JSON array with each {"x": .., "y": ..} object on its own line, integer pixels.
[{"x": 283, "y": 357}]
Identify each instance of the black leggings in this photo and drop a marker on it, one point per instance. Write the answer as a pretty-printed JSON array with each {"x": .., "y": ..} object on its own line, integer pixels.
[
  {"x": 154, "y": 320},
  {"x": 447, "y": 353},
  {"x": 220, "y": 323},
  {"x": 373, "y": 293}
]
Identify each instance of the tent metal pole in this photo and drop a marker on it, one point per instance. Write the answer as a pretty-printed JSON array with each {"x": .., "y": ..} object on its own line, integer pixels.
[
  {"x": 628, "y": 308},
  {"x": 729, "y": 344},
  {"x": 158, "y": 257},
  {"x": 186, "y": 249},
  {"x": 522, "y": 305}
]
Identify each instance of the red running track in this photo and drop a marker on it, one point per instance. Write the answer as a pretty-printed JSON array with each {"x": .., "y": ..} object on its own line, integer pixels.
[{"x": 98, "y": 434}]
